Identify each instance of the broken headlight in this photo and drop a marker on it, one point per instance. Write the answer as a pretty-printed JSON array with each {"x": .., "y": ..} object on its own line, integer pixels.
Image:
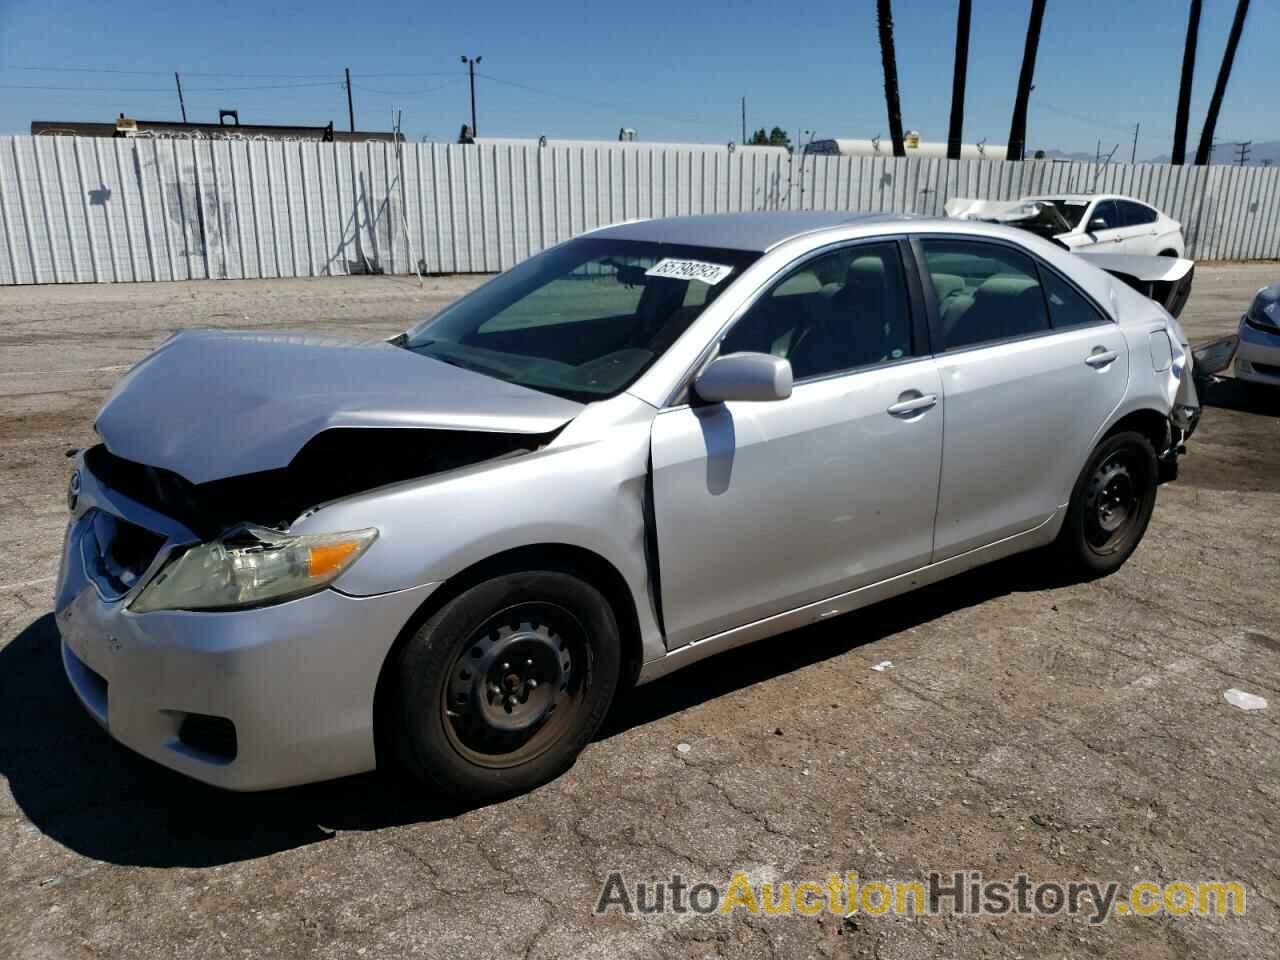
[{"x": 249, "y": 566}]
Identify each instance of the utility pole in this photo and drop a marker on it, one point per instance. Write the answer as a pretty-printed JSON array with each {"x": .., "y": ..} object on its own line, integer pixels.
[
  {"x": 351, "y": 110},
  {"x": 1242, "y": 151},
  {"x": 181, "y": 103},
  {"x": 471, "y": 67},
  {"x": 744, "y": 120},
  {"x": 1133, "y": 157}
]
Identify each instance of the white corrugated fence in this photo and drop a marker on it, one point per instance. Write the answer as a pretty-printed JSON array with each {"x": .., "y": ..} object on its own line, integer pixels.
[{"x": 110, "y": 210}]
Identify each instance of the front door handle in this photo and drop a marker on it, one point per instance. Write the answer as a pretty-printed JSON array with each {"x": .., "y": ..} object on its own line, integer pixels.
[
  {"x": 913, "y": 404},
  {"x": 1101, "y": 357}
]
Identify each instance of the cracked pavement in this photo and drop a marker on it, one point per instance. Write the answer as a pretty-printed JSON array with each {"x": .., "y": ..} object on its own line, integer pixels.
[{"x": 1069, "y": 731}]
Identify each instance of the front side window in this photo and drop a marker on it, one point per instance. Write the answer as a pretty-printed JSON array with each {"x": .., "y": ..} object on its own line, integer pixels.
[
  {"x": 839, "y": 311},
  {"x": 985, "y": 292},
  {"x": 584, "y": 319},
  {"x": 1108, "y": 212}
]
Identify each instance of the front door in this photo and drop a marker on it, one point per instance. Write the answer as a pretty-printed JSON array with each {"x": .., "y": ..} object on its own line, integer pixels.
[
  {"x": 1104, "y": 239},
  {"x": 764, "y": 507}
]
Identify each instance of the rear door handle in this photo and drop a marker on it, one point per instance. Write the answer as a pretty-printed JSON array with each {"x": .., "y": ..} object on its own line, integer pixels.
[
  {"x": 912, "y": 405},
  {"x": 1101, "y": 357}
]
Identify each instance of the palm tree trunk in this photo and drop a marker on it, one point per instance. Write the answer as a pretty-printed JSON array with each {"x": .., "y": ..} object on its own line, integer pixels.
[
  {"x": 954, "y": 132},
  {"x": 1018, "y": 128},
  {"x": 1220, "y": 88},
  {"x": 1184, "y": 87},
  {"x": 884, "y": 18}
]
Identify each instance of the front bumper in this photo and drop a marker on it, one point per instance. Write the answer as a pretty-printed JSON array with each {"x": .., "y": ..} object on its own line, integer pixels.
[
  {"x": 1258, "y": 355},
  {"x": 295, "y": 680}
]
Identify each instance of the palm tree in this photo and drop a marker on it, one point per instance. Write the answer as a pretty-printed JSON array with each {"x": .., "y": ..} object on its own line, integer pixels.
[
  {"x": 1220, "y": 88},
  {"x": 1018, "y": 128},
  {"x": 884, "y": 17},
  {"x": 954, "y": 133},
  {"x": 1184, "y": 88}
]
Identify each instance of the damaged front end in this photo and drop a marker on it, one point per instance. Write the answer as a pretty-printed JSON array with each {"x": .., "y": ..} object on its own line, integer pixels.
[
  {"x": 334, "y": 464},
  {"x": 227, "y": 544}
]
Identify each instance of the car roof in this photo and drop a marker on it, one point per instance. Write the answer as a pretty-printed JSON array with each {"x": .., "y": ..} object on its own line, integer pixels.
[
  {"x": 1087, "y": 197},
  {"x": 758, "y": 231}
]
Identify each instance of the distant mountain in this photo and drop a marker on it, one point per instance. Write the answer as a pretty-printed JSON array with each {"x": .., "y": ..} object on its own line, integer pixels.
[
  {"x": 1222, "y": 153},
  {"x": 1230, "y": 152}
]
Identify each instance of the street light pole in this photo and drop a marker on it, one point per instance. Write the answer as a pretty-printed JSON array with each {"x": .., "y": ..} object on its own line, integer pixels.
[{"x": 471, "y": 68}]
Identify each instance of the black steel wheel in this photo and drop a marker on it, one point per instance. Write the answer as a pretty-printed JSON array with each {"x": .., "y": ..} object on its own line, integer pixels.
[
  {"x": 1110, "y": 506},
  {"x": 516, "y": 684},
  {"x": 503, "y": 686}
]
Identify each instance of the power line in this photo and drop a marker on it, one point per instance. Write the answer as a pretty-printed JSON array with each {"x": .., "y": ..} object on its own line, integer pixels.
[
  {"x": 598, "y": 103},
  {"x": 165, "y": 73},
  {"x": 99, "y": 89},
  {"x": 415, "y": 93}
]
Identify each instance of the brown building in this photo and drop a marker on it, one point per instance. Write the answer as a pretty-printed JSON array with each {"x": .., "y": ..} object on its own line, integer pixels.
[{"x": 223, "y": 130}]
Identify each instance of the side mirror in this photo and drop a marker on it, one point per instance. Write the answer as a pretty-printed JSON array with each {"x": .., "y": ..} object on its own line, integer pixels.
[
  {"x": 744, "y": 376},
  {"x": 1096, "y": 224}
]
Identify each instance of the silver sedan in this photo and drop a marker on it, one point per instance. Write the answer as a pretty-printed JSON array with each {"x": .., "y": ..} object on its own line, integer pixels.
[{"x": 293, "y": 558}]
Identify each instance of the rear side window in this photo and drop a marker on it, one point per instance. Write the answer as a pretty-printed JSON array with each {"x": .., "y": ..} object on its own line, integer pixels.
[
  {"x": 1135, "y": 214},
  {"x": 986, "y": 292},
  {"x": 1067, "y": 308}
]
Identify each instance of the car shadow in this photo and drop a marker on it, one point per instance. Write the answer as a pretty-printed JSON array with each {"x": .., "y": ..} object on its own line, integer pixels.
[
  {"x": 94, "y": 796},
  {"x": 1228, "y": 393}
]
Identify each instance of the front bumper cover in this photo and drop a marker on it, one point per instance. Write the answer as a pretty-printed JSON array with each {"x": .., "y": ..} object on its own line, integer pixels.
[{"x": 296, "y": 679}]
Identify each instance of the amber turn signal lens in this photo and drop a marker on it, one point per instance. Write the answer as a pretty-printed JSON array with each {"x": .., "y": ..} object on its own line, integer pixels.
[{"x": 326, "y": 559}]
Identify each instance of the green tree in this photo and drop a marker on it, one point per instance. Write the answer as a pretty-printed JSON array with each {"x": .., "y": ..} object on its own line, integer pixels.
[{"x": 777, "y": 137}]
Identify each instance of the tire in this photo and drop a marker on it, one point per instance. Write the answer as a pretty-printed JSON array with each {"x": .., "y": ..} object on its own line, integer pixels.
[
  {"x": 1110, "y": 506},
  {"x": 501, "y": 689},
  {"x": 1168, "y": 253}
]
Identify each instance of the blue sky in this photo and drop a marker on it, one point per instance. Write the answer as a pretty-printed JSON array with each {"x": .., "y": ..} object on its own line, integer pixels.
[{"x": 673, "y": 71}]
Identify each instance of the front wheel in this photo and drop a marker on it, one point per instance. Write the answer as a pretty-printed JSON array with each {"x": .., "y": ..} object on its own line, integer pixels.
[
  {"x": 501, "y": 688},
  {"x": 1110, "y": 506}
]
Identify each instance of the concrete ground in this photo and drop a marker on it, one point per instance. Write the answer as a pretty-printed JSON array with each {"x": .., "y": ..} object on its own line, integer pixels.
[{"x": 1069, "y": 732}]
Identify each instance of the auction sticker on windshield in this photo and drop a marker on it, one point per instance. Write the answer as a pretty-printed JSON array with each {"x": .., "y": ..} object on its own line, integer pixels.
[{"x": 709, "y": 273}]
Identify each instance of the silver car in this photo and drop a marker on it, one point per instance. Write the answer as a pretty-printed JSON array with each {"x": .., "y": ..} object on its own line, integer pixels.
[
  {"x": 1257, "y": 356},
  {"x": 294, "y": 558}
]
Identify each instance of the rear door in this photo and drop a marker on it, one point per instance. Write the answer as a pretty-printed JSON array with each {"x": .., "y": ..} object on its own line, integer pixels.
[
  {"x": 1030, "y": 369},
  {"x": 763, "y": 507},
  {"x": 1140, "y": 234}
]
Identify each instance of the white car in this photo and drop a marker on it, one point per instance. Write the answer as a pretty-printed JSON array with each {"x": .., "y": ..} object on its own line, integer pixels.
[{"x": 1103, "y": 222}]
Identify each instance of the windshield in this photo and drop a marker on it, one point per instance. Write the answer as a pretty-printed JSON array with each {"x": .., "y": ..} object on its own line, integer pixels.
[
  {"x": 584, "y": 319},
  {"x": 1072, "y": 210}
]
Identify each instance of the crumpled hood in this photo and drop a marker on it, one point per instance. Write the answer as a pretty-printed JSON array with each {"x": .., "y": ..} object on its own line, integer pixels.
[{"x": 213, "y": 404}]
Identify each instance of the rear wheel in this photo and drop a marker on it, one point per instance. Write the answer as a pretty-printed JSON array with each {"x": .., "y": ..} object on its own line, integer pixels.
[
  {"x": 1110, "y": 506},
  {"x": 501, "y": 688}
]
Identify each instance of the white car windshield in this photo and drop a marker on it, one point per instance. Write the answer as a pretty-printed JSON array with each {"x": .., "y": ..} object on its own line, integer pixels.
[
  {"x": 1072, "y": 210},
  {"x": 584, "y": 319}
]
